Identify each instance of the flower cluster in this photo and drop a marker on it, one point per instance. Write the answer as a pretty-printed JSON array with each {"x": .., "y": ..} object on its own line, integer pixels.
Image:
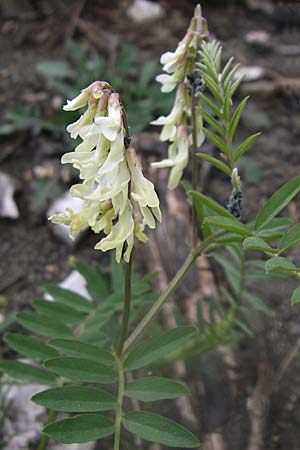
[
  {"x": 113, "y": 185},
  {"x": 179, "y": 65}
]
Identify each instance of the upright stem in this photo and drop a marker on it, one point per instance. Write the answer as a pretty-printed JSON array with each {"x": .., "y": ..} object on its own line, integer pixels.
[
  {"x": 171, "y": 288},
  {"x": 126, "y": 308},
  {"x": 119, "y": 352},
  {"x": 198, "y": 17},
  {"x": 121, "y": 387},
  {"x": 44, "y": 439}
]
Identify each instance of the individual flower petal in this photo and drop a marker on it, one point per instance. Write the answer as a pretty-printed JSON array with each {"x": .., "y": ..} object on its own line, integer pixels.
[
  {"x": 119, "y": 234},
  {"x": 110, "y": 125},
  {"x": 76, "y": 220},
  {"x": 168, "y": 82},
  {"x": 83, "y": 125},
  {"x": 179, "y": 160},
  {"x": 115, "y": 155},
  {"x": 77, "y": 102}
]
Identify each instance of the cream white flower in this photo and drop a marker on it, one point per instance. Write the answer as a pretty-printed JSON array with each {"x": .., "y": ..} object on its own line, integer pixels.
[
  {"x": 171, "y": 121},
  {"x": 77, "y": 102},
  {"x": 121, "y": 232},
  {"x": 178, "y": 66},
  {"x": 106, "y": 175},
  {"x": 110, "y": 125},
  {"x": 143, "y": 192},
  {"x": 178, "y": 158}
]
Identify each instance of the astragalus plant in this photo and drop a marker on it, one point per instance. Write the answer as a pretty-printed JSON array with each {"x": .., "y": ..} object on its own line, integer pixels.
[{"x": 83, "y": 344}]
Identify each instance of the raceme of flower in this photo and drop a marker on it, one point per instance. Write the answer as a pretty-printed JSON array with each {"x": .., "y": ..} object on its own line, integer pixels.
[
  {"x": 179, "y": 65},
  {"x": 113, "y": 185}
]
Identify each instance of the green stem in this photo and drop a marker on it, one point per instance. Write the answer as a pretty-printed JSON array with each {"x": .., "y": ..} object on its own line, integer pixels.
[
  {"x": 44, "y": 439},
  {"x": 121, "y": 387},
  {"x": 126, "y": 309},
  {"x": 198, "y": 17},
  {"x": 171, "y": 288}
]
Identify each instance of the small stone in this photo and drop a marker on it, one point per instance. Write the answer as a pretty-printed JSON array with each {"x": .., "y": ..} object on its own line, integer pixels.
[
  {"x": 258, "y": 38},
  {"x": 74, "y": 282},
  {"x": 24, "y": 419},
  {"x": 143, "y": 11},
  {"x": 250, "y": 73}
]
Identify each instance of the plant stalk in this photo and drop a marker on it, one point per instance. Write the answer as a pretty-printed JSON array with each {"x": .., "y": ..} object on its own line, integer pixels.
[
  {"x": 126, "y": 308},
  {"x": 121, "y": 387},
  {"x": 44, "y": 439},
  {"x": 171, "y": 288},
  {"x": 198, "y": 18}
]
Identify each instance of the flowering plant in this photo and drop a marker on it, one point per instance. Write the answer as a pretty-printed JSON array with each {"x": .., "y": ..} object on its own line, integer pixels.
[{"x": 82, "y": 345}]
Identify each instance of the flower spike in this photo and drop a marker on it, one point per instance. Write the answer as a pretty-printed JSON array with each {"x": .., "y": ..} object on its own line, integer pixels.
[{"x": 107, "y": 169}]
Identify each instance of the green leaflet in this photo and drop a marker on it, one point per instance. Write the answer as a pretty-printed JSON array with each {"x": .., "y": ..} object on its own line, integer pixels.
[
  {"x": 78, "y": 369},
  {"x": 75, "y": 399},
  {"x": 40, "y": 324},
  {"x": 155, "y": 428},
  {"x": 57, "y": 311},
  {"x": 29, "y": 346},
  {"x": 236, "y": 116},
  {"x": 257, "y": 303},
  {"x": 27, "y": 373},
  {"x": 72, "y": 347},
  {"x": 212, "y": 204},
  {"x": 150, "y": 389},
  {"x": 295, "y": 296},
  {"x": 95, "y": 283},
  {"x": 217, "y": 141},
  {"x": 80, "y": 429},
  {"x": 69, "y": 298},
  {"x": 289, "y": 239},
  {"x": 256, "y": 243},
  {"x": 229, "y": 224},
  {"x": 215, "y": 162},
  {"x": 243, "y": 147},
  {"x": 156, "y": 347},
  {"x": 280, "y": 263},
  {"x": 277, "y": 202}
]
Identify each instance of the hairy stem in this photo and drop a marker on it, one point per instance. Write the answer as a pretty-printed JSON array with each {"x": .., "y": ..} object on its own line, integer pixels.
[
  {"x": 121, "y": 387},
  {"x": 126, "y": 309},
  {"x": 198, "y": 18},
  {"x": 171, "y": 288},
  {"x": 44, "y": 439}
]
